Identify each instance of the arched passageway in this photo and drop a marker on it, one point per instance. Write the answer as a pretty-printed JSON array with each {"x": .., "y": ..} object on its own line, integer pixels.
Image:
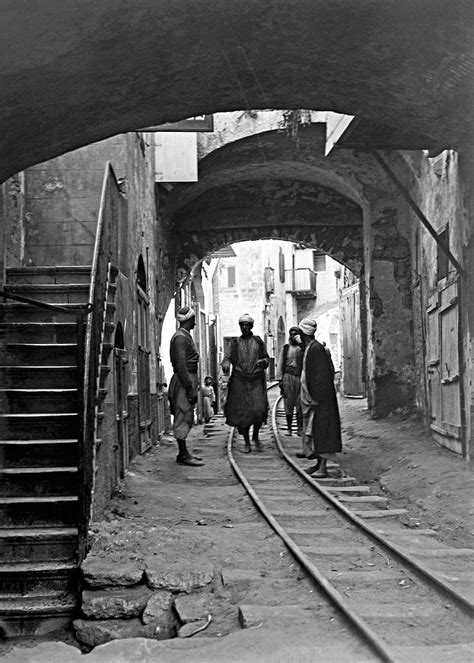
[{"x": 98, "y": 69}]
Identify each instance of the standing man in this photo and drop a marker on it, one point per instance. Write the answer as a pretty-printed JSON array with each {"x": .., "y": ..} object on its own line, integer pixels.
[
  {"x": 184, "y": 384},
  {"x": 246, "y": 404},
  {"x": 321, "y": 422},
  {"x": 288, "y": 374}
]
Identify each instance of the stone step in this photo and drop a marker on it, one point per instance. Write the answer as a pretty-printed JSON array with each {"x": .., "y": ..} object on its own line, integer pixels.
[
  {"x": 38, "y": 354},
  {"x": 35, "y": 482},
  {"x": 48, "y": 274},
  {"x": 381, "y": 513},
  {"x": 37, "y": 401},
  {"x": 20, "y": 312},
  {"x": 39, "y": 544},
  {"x": 370, "y": 500},
  {"x": 39, "y": 453},
  {"x": 51, "y": 613},
  {"x": 38, "y": 332},
  {"x": 38, "y": 578},
  {"x": 38, "y": 377},
  {"x": 56, "y": 293},
  {"x": 36, "y": 426},
  {"x": 349, "y": 490},
  {"x": 337, "y": 482},
  {"x": 45, "y": 511}
]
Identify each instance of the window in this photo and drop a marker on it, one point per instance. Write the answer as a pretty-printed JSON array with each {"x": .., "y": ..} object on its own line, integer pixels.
[
  {"x": 231, "y": 277},
  {"x": 442, "y": 258},
  {"x": 319, "y": 262}
]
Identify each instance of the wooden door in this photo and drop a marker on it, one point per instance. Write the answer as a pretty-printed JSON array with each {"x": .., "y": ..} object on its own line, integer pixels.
[
  {"x": 121, "y": 447},
  {"x": 443, "y": 371},
  {"x": 352, "y": 384}
]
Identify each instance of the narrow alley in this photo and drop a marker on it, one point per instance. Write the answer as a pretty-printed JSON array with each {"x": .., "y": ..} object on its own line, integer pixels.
[{"x": 199, "y": 201}]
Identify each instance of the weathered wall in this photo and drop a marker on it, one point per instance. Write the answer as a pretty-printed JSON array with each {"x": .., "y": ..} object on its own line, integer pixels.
[{"x": 442, "y": 187}]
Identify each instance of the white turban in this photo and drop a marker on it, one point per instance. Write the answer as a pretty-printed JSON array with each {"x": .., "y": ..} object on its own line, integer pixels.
[
  {"x": 184, "y": 314},
  {"x": 246, "y": 318},
  {"x": 308, "y": 326}
]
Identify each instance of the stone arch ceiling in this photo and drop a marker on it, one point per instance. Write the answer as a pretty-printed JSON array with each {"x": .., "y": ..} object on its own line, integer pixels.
[
  {"x": 268, "y": 186},
  {"x": 74, "y": 73}
]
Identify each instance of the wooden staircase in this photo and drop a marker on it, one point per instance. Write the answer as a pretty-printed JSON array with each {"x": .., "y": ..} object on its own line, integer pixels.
[{"x": 40, "y": 422}]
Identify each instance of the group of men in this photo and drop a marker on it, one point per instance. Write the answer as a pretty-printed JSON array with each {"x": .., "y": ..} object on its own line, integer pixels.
[{"x": 306, "y": 377}]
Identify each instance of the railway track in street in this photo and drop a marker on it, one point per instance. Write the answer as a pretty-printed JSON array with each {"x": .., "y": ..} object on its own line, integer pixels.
[{"x": 409, "y": 597}]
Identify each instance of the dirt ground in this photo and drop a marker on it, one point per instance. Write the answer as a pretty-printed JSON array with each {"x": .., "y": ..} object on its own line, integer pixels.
[
  {"x": 163, "y": 511},
  {"x": 397, "y": 458}
]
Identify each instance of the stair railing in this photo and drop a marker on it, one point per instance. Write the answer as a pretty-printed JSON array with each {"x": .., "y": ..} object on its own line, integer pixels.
[{"x": 112, "y": 206}]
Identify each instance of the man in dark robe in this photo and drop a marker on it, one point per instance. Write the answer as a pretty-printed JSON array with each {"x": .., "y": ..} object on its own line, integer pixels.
[
  {"x": 288, "y": 373},
  {"x": 247, "y": 403},
  {"x": 183, "y": 390},
  {"x": 321, "y": 422}
]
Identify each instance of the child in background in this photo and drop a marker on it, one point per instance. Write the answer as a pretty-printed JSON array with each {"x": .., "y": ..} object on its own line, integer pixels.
[{"x": 208, "y": 398}]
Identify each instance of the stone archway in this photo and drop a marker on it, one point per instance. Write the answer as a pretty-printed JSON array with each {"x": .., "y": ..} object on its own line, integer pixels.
[{"x": 98, "y": 69}]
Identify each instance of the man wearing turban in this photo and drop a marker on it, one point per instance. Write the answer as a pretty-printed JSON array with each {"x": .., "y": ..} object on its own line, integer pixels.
[
  {"x": 321, "y": 422},
  {"x": 246, "y": 403},
  {"x": 288, "y": 373},
  {"x": 183, "y": 388}
]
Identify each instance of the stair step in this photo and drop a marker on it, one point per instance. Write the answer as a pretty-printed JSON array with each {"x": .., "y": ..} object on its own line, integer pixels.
[
  {"x": 13, "y": 311},
  {"x": 38, "y": 354},
  {"x": 40, "y": 544},
  {"x": 49, "y": 274},
  {"x": 39, "y": 332},
  {"x": 36, "y": 401},
  {"x": 51, "y": 614},
  {"x": 40, "y": 453},
  {"x": 33, "y": 426},
  {"x": 21, "y": 512},
  {"x": 56, "y": 293},
  {"x": 38, "y": 377},
  {"x": 40, "y": 578},
  {"x": 38, "y": 481}
]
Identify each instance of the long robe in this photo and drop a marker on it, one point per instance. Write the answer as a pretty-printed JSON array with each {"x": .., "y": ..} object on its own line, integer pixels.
[
  {"x": 319, "y": 400},
  {"x": 247, "y": 402}
]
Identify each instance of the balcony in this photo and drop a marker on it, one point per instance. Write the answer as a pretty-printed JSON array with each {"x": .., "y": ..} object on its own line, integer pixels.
[{"x": 301, "y": 283}]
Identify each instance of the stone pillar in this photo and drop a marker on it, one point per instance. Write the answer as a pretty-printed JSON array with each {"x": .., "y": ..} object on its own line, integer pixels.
[{"x": 391, "y": 360}]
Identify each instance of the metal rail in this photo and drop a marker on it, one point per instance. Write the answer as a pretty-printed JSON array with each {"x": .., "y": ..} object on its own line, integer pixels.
[
  {"x": 423, "y": 573},
  {"x": 375, "y": 643}
]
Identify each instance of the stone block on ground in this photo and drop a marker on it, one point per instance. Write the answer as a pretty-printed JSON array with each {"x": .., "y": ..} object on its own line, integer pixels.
[
  {"x": 159, "y": 608},
  {"x": 115, "y": 603},
  {"x": 98, "y": 632},
  {"x": 277, "y": 616},
  {"x": 192, "y": 608},
  {"x": 179, "y": 577},
  {"x": 274, "y": 615},
  {"x": 240, "y": 579},
  {"x": 103, "y": 572}
]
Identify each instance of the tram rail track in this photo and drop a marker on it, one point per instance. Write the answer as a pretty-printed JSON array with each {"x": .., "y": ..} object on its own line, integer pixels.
[{"x": 363, "y": 573}]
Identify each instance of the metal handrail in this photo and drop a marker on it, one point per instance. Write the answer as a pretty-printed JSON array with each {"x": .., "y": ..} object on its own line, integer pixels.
[{"x": 83, "y": 308}]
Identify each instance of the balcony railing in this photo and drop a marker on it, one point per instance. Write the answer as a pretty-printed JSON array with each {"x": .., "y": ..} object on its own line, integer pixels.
[{"x": 301, "y": 282}]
